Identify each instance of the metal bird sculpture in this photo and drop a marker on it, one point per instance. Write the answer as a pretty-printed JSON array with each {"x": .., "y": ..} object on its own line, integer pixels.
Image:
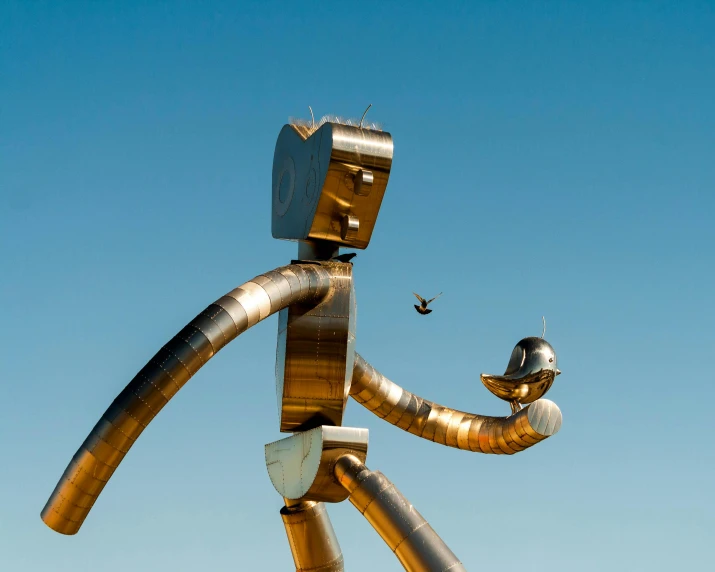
[
  {"x": 422, "y": 308},
  {"x": 529, "y": 374}
]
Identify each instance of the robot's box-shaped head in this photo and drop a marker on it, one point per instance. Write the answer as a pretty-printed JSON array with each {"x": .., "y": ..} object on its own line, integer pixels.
[{"x": 328, "y": 182}]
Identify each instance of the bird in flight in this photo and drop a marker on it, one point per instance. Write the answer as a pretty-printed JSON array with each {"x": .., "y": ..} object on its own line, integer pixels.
[{"x": 422, "y": 308}]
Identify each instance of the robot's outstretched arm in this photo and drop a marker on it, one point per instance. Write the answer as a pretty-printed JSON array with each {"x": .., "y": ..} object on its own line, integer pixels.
[
  {"x": 468, "y": 431},
  {"x": 166, "y": 373}
]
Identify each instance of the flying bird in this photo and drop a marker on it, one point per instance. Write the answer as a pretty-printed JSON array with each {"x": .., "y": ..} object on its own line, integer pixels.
[
  {"x": 529, "y": 374},
  {"x": 422, "y": 308}
]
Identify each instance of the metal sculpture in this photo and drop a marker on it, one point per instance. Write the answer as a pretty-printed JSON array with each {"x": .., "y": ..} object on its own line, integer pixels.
[{"x": 328, "y": 183}]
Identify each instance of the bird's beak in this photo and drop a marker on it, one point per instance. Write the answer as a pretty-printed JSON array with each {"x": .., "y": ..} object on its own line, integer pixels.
[{"x": 558, "y": 372}]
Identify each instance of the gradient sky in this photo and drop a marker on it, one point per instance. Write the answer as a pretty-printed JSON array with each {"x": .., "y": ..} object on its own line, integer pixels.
[{"x": 551, "y": 158}]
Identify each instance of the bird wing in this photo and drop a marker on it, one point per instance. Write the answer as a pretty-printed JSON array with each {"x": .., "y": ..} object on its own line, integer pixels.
[
  {"x": 420, "y": 298},
  {"x": 433, "y": 299}
]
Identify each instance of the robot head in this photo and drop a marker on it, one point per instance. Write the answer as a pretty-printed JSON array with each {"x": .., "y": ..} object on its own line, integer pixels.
[{"x": 328, "y": 181}]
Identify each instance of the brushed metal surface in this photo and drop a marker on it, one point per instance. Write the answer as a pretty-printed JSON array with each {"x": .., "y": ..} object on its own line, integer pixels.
[
  {"x": 152, "y": 388},
  {"x": 301, "y": 466},
  {"x": 328, "y": 184},
  {"x": 311, "y": 537},
  {"x": 314, "y": 355},
  {"x": 529, "y": 374},
  {"x": 410, "y": 537},
  {"x": 451, "y": 427},
  {"x": 322, "y": 176},
  {"x": 362, "y": 182}
]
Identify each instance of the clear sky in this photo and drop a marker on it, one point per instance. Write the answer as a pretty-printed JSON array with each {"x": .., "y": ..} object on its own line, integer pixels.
[{"x": 551, "y": 158}]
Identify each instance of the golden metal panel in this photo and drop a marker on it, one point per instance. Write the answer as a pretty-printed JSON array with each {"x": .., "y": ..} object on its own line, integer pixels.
[
  {"x": 463, "y": 433},
  {"x": 420, "y": 412},
  {"x": 67, "y": 508},
  {"x": 506, "y": 435},
  {"x": 386, "y": 516},
  {"x": 362, "y": 484},
  {"x": 516, "y": 438},
  {"x": 431, "y": 423},
  {"x": 124, "y": 421},
  {"x": 441, "y": 425},
  {"x": 172, "y": 365},
  {"x": 312, "y": 374},
  {"x": 59, "y": 523},
  {"x": 156, "y": 375},
  {"x": 291, "y": 277},
  {"x": 103, "y": 451},
  {"x": 415, "y": 557},
  {"x": 134, "y": 406},
  {"x": 527, "y": 432},
  {"x": 496, "y": 431},
  {"x": 223, "y": 320},
  {"x": 311, "y": 537},
  {"x": 186, "y": 355},
  {"x": 149, "y": 394},
  {"x": 377, "y": 386},
  {"x": 198, "y": 342},
  {"x": 238, "y": 314},
  {"x": 475, "y": 429},
  {"x": 211, "y": 331},
  {"x": 254, "y": 295},
  {"x": 390, "y": 402},
  {"x": 281, "y": 283},
  {"x": 302, "y": 277},
  {"x": 94, "y": 466},
  {"x": 271, "y": 290},
  {"x": 397, "y": 413},
  {"x": 73, "y": 494},
  {"x": 112, "y": 434},
  {"x": 451, "y": 435},
  {"x": 486, "y": 445}
]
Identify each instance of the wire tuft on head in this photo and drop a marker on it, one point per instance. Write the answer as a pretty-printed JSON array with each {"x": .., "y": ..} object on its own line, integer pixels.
[{"x": 306, "y": 127}]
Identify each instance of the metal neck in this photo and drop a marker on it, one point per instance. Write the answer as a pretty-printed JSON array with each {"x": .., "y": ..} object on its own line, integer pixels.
[{"x": 317, "y": 250}]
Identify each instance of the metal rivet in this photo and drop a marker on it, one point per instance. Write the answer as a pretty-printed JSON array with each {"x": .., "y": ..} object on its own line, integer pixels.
[
  {"x": 363, "y": 182},
  {"x": 349, "y": 226}
]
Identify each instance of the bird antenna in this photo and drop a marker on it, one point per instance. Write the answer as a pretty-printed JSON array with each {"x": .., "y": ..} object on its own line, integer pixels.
[
  {"x": 364, "y": 114},
  {"x": 312, "y": 117},
  {"x": 544, "y": 331}
]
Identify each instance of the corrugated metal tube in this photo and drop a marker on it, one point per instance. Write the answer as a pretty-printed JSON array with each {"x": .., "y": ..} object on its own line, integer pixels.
[
  {"x": 167, "y": 372},
  {"x": 450, "y": 427}
]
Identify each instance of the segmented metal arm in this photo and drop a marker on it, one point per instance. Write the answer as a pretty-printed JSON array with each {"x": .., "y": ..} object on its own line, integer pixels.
[
  {"x": 468, "y": 431},
  {"x": 166, "y": 373}
]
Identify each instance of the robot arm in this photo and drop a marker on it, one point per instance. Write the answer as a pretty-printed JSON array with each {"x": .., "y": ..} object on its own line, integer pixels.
[
  {"x": 131, "y": 412},
  {"x": 468, "y": 431}
]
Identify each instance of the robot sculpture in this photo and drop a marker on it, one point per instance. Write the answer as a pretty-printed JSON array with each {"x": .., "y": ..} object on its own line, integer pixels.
[{"x": 329, "y": 179}]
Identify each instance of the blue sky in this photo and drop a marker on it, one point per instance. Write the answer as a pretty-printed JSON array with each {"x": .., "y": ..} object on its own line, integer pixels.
[{"x": 551, "y": 158}]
